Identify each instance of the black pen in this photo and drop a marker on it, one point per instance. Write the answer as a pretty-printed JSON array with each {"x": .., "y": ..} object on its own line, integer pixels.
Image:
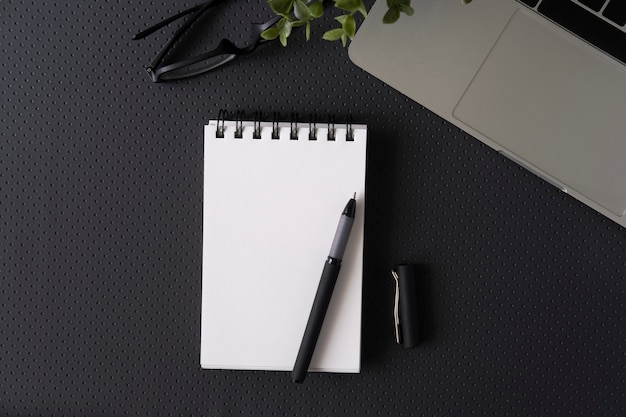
[{"x": 324, "y": 292}]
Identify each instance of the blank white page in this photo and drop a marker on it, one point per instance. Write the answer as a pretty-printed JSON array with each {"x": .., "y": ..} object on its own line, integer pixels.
[{"x": 271, "y": 208}]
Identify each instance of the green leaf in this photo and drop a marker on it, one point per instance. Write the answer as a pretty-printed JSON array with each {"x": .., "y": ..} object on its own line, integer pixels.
[
  {"x": 282, "y": 22},
  {"x": 342, "y": 19},
  {"x": 352, "y": 6},
  {"x": 308, "y": 31},
  {"x": 333, "y": 34},
  {"x": 349, "y": 26},
  {"x": 394, "y": 3},
  {"x": 349, "y": 5},
  {"x": 284, "y": 27},
  {"x": 301, "y": 10},
  {"x": 400, "y": 6},
  {"x": 363, "y": 10},
  {"x": 283, "y": 39},
  {"x": 317, "y": 9},
  {"x": 271, "y": 33},
  {"x": 298, "y": 23},
  {"x": 281, "y": 7},
  {"x": 392, "y": 15},
  {"x": 408, "y": 10}
]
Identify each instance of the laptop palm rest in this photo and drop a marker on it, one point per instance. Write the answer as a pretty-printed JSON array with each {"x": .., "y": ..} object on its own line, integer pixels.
[{"x": 533, "y": 97}]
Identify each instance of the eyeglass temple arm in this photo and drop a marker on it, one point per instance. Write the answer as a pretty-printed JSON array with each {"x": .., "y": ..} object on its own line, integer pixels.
[
  {"x": 167, "y": 21},
  {"x": 197, "y": 10},
  {"x": 225, "y": 48}
]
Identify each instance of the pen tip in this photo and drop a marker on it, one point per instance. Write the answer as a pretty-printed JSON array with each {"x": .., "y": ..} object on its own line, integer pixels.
[{"x": 354, "y": 196}]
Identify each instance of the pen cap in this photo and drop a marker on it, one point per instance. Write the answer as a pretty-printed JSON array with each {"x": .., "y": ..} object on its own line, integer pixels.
[{"x": 409, "y": 305}]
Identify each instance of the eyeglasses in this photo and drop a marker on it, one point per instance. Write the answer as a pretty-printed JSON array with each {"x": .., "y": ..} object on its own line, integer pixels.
[{"x": 225, "y": 51}]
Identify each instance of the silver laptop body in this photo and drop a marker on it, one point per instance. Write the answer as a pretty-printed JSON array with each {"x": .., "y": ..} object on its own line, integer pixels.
[{"x": 512, "y": 78}]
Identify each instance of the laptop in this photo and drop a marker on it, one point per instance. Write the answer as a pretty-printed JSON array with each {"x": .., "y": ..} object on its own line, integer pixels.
[{"x": 543, "y": 82}]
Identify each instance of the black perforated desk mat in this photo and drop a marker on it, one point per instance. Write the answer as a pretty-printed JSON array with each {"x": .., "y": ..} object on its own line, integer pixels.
[{"x": 100, "y": 233}]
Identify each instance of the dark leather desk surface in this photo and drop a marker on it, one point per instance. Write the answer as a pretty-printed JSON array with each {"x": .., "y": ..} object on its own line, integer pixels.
[{"x": 522, "y": 287}]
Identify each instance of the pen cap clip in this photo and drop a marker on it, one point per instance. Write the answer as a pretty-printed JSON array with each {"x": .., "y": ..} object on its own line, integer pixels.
[
  {"x": 396, "y": 308},
  {"x": 406, "y": 305}
]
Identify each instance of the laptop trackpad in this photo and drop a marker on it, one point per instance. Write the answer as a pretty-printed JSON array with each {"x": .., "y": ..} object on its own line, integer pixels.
[{"x": 536, "y": 98}]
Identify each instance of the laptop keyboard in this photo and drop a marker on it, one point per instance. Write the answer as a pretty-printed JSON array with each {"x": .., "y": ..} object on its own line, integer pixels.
[{"x": 599, "y": 22}]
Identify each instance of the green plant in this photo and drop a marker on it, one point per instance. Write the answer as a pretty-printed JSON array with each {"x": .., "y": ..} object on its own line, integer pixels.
[
  {"x": 395, "y": 7},
  {"x": 295, "y": 13}
]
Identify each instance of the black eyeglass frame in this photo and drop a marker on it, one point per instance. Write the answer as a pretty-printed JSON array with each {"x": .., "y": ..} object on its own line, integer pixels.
[{"x": 226, "y": 49}]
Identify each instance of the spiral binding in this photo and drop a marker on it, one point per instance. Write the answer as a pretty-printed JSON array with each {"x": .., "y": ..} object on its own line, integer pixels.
[
  {"x": 239, "y": 125},
  {"x": 256, "y": 133},
  {"x": 331, "y": 127},
  {"x": 312, "y": 127},
  {"x": 293, "y": 125},
  {"x": 221, "y": 118},
  {"x": 275, "y": 126}
]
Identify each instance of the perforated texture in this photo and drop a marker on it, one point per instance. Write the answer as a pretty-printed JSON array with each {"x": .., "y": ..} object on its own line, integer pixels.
[{"x": 522, "y": 287}]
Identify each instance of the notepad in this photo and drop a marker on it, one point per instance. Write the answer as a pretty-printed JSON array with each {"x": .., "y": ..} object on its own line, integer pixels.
[{"x": 273, "y": 194}]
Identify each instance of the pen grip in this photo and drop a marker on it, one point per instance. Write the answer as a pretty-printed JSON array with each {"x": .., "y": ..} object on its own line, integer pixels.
[
  {"x": 316, "y": 319},
  {"x": 341, "y": 237}
]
